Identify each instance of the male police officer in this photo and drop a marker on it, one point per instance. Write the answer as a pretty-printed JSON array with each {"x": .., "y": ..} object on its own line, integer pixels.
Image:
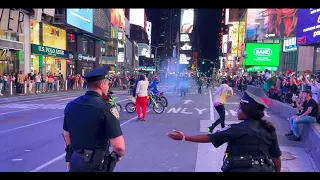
[{"x": 90, "y": 123}]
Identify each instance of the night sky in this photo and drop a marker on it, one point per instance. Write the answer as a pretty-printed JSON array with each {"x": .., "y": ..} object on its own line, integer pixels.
[{"x": 209, "y": 29}]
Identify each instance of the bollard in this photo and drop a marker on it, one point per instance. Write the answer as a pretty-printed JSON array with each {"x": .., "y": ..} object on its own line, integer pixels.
[
  {"x": 10, "y": 88},
  {"x": 57, "y": 85},
  {"x": 25, "y": 87},
  {"x": 66, "y": 85}
]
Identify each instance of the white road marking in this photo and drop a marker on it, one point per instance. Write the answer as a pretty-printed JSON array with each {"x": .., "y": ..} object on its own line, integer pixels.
[
  {"x": 21, "y": 127},
  {"x": 66, "y": 99},
  {"x": 63, "y": 155},
  {"x": 211, "y": 106},
  {"x": 17, "y": 111},
  {"x": 27, "y": 150},
  {"x": 16, "y": 159}
]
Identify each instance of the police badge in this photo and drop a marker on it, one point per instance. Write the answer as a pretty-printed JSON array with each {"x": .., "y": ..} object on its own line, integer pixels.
[{"x": 115, "y": 113}]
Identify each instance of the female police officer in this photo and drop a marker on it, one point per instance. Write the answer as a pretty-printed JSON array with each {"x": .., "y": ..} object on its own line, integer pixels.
[{"x": 252, "y": 144}]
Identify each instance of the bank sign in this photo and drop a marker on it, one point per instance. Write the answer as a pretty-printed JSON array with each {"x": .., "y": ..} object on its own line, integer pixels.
[
  {"x": 308, "y": 27},
  {"x": 262, "y": 54},
  {"x": 48, "y": 51}
]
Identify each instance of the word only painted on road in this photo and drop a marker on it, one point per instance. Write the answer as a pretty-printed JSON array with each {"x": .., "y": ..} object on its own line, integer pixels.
[
  {"x": 181, "y": 110},
  {"x": 185, "y": 111}
]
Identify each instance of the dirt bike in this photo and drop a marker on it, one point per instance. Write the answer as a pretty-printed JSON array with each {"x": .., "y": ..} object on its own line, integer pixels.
[
  {"x": 158, "y": 97},
  {"x": 112, "y": 100},
  {"x": 158, "y": 107}
]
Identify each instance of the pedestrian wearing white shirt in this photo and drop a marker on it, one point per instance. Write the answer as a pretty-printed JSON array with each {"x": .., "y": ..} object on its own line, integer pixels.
[
  {"x": 222, "y": 94},
  {"x": 142, "y": 97}
]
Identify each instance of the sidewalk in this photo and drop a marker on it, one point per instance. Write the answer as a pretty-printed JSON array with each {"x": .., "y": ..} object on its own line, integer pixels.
[{"x": 32, "y": 96}]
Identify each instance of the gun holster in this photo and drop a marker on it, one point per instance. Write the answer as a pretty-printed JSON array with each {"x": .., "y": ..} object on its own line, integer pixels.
[{"x": 69, "y": 152}]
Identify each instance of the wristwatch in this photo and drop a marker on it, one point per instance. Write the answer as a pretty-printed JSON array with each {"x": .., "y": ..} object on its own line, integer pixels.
[{"x": 183, "y": 138}]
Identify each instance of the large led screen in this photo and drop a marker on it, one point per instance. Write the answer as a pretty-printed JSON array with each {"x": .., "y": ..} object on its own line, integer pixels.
[
  {"x": 185, "y": 57},
  {"x": 81, "y": 18},
  {"x": 187, "y": 18},
  {"x": 271, "y": 23},
  {"x": 118, "y": 18},
  {"x": 308, "y": 26},
  {"x": 101, "y": 23},
  {"x": 137, "y": 17},
  {"x": 262, "y": 54}
]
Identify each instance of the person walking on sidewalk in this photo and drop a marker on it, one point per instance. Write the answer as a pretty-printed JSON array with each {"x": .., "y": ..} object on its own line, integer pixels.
[
  {"x": 1, "y": 84},
  {"x": 222, "y": 94},
  {"x": 38, "y": 82}
]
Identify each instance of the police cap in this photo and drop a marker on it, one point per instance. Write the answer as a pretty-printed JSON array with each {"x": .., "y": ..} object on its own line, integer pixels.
[
  {"x": 250, "y": 98},
  {"x": 98, "y": 74}
]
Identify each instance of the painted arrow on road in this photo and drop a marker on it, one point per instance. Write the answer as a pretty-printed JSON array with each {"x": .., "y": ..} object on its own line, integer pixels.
[{"x": 187, "y": 101}]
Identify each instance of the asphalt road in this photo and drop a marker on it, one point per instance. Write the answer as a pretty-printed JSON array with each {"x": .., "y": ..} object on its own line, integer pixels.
[{"x": 31, "y": 135}]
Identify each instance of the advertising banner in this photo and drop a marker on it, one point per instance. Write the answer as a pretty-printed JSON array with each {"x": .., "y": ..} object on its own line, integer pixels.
[
  {"x": 308, "y": 31},
  {"x": 143, "y": 50},
  {"x": 290, "y": 44},
  {"x": 48, "y": 51},
  {"x": 187, "y": 18},
  {"x": 185, "y": 38},
  {"x": 185, "y": 57},
  {"x": 271, "y": 23},
  {"x": 81, "y": 18},
  {"x": 262, "y": 54},
  {"x": 101, "y": 23},
  {"x": 237, "y": 34},
  {"x": 11, "y": 20},
  {"x": 261, "y": 68},
  {"x": 185, "y": 46},
  {"x": 137, "y": 17},
  {"x": 118, "y": 18},
  {"x": 127, "y": 25},
  {"x": 225, "y": 43}
]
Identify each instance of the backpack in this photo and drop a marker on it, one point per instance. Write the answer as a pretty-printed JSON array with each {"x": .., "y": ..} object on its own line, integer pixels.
[{"x": 32, "y": 77}]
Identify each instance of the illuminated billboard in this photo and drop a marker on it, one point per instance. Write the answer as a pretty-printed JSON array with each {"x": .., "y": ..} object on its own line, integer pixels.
[
  {"x": 185, "y": 38},
  {"x": 225, "y": 43},
  {"x": 185, "y": 57},
  {"x": 81, "y": 18},
  {"x": 143, "y": 50},
  {"x": 271, "y": 23},
  {"x": 262, "y": 54},
  {"x": 187, "y": 18},
  {"x": 118, "y": 18},
  {"x": 185, "y": 46},
  {"x": 237, "y": 34},
  {"x": 137, "y": 17}
]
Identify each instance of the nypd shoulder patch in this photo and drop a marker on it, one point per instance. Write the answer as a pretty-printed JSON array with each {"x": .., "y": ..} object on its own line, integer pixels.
[{"x": 115, "y": 113}]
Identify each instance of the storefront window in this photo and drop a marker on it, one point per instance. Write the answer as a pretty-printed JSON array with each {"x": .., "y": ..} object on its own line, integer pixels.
[
  {"x": 54, "y": 37},
  {"x": 11, "y": 36},
  {"x": 35, "y": 32},
  {"x": 8, "y": 61},
  {"x": 290, "y": 60},
  {"x": 103, "y": 48},
  {"x": 88, "y": 46},
  {"x": 112, "y": 48}
]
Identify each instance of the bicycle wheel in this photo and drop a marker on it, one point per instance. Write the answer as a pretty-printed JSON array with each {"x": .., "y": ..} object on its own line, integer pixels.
[
  {"x": 164, "y": 101},
  {"x": 150, "y": 102},
  {"x": 158, "y": 107},
  {"x": 130, "y": 107}
]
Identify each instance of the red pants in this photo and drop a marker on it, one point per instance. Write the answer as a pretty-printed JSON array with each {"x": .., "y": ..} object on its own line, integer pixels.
[{"x": 142, "y": 101}]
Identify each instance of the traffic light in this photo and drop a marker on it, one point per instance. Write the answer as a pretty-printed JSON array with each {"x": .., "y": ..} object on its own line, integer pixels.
[{"x": 202, "y": 62}]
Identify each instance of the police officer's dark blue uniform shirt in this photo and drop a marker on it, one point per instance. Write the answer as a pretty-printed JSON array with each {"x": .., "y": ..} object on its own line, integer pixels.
[
  {"x": 90, "y": 120},
  {"x": 248, "y": 137}
]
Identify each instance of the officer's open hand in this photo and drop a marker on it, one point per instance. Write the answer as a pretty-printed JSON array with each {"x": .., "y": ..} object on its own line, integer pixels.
[{"x": 177, "y": 135}]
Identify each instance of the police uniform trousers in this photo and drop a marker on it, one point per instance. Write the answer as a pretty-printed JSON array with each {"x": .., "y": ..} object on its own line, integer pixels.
[
  {"x": 77, "y": 164},
  {"x": 254, "y": 168}
]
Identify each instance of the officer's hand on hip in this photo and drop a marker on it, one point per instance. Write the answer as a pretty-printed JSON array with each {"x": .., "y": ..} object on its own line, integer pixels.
[{"x": 178, "y": 135}]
